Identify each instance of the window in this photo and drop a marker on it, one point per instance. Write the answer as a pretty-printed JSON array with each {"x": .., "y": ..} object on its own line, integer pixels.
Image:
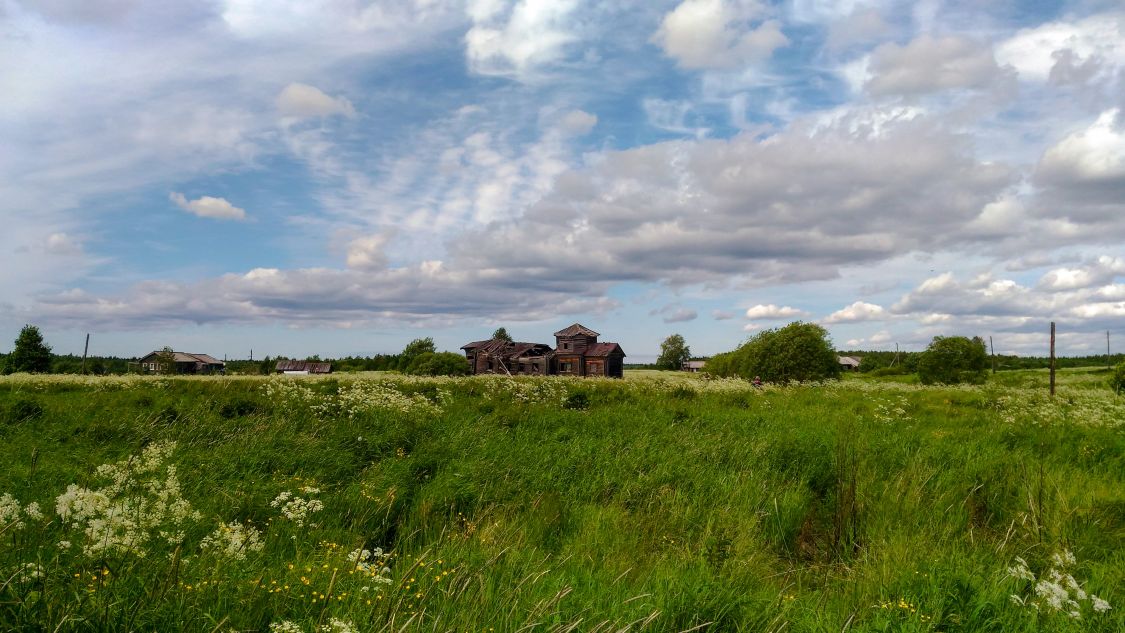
[{"x": 566, "y": 345}]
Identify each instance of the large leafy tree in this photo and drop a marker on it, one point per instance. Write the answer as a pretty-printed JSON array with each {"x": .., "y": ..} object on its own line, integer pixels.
[
  {"x": 799, "y": 351},
  {"x": 674, "y": 352},
  {"x": 502, "y": 334},
  {"x": 31, "y": 353},
  {"x": 953, "y": 359},
  {"x": 413, "y": 349}
]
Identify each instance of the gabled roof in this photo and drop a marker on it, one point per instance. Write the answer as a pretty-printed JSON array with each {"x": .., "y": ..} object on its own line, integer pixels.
[
  {"x": 184, "y": 357},
  {"x": 476, "y": 344},
  {"x": 604, "y": 349},
  {"x": 577, "y": 329},
  {"x": 508, "y": 349}
]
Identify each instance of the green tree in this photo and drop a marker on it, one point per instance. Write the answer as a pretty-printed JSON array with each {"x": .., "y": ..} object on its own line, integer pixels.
[
  {"x": 413, "y": 349},
  {"x": 438, "y": 364},
  {"x": 166, "y": 361},
  {"x": 502, "y": 334},
  {"x": 799, "y": 351},
  {"x": 953, "y": 359},
  {"x": 674, "y": 352},
  {"x": 31, "y": 354},
  {"x": 1117, "y": 380}
]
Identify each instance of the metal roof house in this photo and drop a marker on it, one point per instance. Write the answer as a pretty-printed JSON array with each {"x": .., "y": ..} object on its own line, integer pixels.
[
  {"x": 577, "y": 353},
  {"x": 185, "y": 363}
]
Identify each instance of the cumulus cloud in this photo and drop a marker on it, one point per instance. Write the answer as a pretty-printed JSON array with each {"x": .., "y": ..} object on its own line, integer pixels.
[
  {"x": 1092, "y": 47},
  {"x": 63, "y": 244},
  {"x": 722, "y": 315},
  {"x": 1101, "y": 271},
  {"x": 771, "y": 311},
  {"x": 208, "y": 207},
  {"x": 864, "y": 24},
  {"x": 301, "y": 101},
  {"x": 858, "y": 311},
  {"x": 704, "y": 34},
  {"x": 931, "y": 64},
  {"x": 518, "y": 38}
]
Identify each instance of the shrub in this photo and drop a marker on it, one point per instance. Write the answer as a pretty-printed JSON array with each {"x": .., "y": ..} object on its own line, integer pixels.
[
  {"x": 438, "y": 364},
  {"x": 799, "y": 351},
  {"x": 953, "y": 359}
]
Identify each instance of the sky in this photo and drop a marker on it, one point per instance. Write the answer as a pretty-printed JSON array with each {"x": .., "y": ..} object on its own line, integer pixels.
[{"x": 338, "y": 177}]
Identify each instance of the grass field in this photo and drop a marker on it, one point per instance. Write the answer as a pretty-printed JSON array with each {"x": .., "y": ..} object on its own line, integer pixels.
[{"x": 664, "y": 502}]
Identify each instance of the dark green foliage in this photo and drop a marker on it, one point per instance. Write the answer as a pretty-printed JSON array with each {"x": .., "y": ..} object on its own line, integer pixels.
[
  {"x": 502, "y": 334},
  {"x": 31, "y": 354},
  {"x": 951, "y": 360},
  {"x": 23, "y": 410},
  {"x": 799, "y": 351},
  {"x": 438, "y": 364},
  {"x": 674, "y": 352}
]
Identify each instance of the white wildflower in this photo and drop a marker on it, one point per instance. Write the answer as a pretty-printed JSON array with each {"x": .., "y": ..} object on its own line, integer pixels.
[
  {"x": 233, "y": 541},
  {"x": 63, "y": 544},
  {"x": 336, "y": 625},
  {"x": 28, "y": 572},
  {"x": 1057, "y": 591},
  {"x": 285, "y": 626},
  {"x": 10, "y": 512},
  {"x": 297, "y": 509},
  {"x": 1101, "y": 606}
]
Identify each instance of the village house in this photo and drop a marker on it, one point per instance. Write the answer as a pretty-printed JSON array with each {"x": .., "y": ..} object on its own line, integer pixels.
[
  {"x": 849, "y": 363},
  {"x": 577, "y": 352},
  {"x": 184, "y": 362}
]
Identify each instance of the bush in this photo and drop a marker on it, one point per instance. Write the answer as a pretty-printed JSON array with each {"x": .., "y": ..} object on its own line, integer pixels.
[
  {"x": 951, "y": 360},
  {"x": 438, "y": 364},
  {"x": 799, "y": 351}
]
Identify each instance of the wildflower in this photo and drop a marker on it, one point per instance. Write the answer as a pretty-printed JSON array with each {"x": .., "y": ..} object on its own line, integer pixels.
[
  {"x": 233, "y": 540},
  {"x": 1057, "y": 591},
  {"x": 285, "y": 626},
  {"x": 297, "y": 509}
]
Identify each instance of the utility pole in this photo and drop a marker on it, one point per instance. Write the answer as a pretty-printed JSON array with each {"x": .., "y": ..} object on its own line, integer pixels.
[
  {"x": 1108, "y": 358},
  {"x": 1052, "y": 358},
  {"x": 993, "y": 348},
  {"x": 86, "y": 349}
]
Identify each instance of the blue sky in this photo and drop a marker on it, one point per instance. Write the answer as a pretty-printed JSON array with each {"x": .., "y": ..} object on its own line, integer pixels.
[{"x": 338, "y": 177}]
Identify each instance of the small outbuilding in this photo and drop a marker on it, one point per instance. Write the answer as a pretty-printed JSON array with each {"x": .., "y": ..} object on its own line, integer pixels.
[
  {"x": 694, "y": 366},
  {"x": 849, "y": 363}
]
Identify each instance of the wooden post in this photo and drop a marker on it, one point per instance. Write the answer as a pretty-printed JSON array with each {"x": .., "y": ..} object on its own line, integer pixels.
[
  {"x": 84, "y": 351},
  {"x": 1052, "y": 358},
  {"x": 1108, "y": 358},
  {"x": 993, "y": 348}
]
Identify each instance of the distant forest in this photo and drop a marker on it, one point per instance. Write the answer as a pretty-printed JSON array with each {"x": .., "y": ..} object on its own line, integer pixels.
[{"x": 886, "y": 362}]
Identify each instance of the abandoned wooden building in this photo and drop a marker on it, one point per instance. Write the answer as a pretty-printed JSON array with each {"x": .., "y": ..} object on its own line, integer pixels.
[
  {"x": 577, "y": 352},
  {"x": 184, "y": 363}
]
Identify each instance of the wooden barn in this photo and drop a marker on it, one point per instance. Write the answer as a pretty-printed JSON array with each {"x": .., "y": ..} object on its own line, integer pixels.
[
  {"x": 577, "y": 353},
  {"x": 302, "y": 367}
]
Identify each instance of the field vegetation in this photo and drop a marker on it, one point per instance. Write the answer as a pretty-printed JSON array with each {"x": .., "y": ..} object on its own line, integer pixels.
[{"x": 664, "y": 502}]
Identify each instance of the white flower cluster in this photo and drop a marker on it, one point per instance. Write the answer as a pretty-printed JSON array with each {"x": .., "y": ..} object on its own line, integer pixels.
[
  {"x": 140, "y": 504},
  {"x": 1057, "y": 591},
  {"x": 334, "y": 625},
  {"x": 892, "y": 409},
  {"x": 233, "y": 540},
  {"x": 525, "y": 390},
  {"x": 1083, "y": 407},
  {"x": 364, "y": 397},
  {"x": 372, "y": 562},
  {"x": 12, "y": 514},
  {"x": 28, "y": 572},
  {"x": 298, "y": 509}
]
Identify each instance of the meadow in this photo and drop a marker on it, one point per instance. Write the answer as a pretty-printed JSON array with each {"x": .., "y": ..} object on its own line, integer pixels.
[{"x": 664, "y": 502}]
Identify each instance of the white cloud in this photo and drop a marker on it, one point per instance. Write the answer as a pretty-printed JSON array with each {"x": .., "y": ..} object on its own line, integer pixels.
[
  {"x": 1094, "y": 155},
  {"x": 578, "y": 122},
  {"x": 930, "y": 64},
  {"x": 63, "y": 244},
  {"x": 864, "y": 24},
  {"x": 1054, "y": 49},
  {"x": 367, "y": 253},
  {"x": 858, "y": 311},
  {"x": 722, "y": 315},
  {"x": 208, "y": 207},
  {"x": 751, "y": 327},
  {"x": 300, "y": 101},
  {"x": 771, "y": 311},
  {"x": 517, "y": 39},
  {"x": 675, "y": 313},
  {"x": 1099, "y": 272},
  {"x": 703, "y": 34}
]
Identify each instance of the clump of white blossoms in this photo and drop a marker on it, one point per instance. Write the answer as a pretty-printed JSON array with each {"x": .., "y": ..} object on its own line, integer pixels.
[
  {"x": 138, "y": 505},
  {"x": 28, "y": 572},
  {"x": 12, "y": 515},
  {"x": 1057, "y": 591},
  {"x": 334, "y": 625},
  {"x": 298, "y": 509},
  {"x": 233, "y": 540}
]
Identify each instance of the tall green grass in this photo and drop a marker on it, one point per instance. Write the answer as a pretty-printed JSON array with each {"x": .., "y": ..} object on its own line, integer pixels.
[{"x": 662, "y": 503}]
